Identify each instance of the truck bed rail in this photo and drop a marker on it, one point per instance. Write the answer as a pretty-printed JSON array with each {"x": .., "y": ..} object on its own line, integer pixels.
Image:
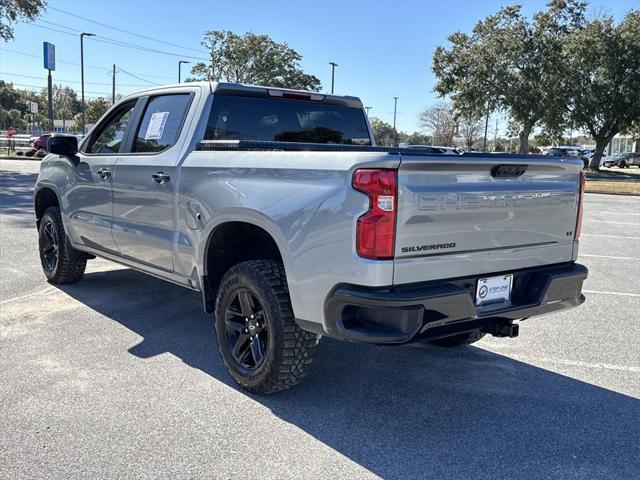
[{"x": 266, "y": 146}]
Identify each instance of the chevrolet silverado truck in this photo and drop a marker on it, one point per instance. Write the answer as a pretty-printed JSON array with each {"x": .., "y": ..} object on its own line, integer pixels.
[{"x": 280, "y": 209}]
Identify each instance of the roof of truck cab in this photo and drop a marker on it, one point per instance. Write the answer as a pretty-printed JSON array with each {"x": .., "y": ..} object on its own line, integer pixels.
[{"x": 241, "y": 88}]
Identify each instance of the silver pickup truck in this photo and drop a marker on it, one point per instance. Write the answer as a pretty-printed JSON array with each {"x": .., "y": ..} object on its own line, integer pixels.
[{"x": 280, "y": 209}]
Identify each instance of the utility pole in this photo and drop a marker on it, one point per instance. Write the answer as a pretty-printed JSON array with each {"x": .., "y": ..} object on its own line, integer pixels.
[
  {"x": 495, "y": 135},
  {"x": 82, "y": 35},
  {"x": 367, "y": 109},
  {"x": 179, "y": 69},
  {"x": 333, "y": 74},
  {"x": 395, "y": 110},
  {"x": 113, "y": 85},
  {"x": 50, "y": 100},
  {"x": 486, "y": 127}
]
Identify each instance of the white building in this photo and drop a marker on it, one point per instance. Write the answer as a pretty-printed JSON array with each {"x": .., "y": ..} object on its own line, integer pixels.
[{"x": 621, "y": 144}]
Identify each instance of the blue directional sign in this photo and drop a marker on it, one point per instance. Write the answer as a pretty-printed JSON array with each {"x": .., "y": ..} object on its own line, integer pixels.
[{"x": 49, "y": 52}]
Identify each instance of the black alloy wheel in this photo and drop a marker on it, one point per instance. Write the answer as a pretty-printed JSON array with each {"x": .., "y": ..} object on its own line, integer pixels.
[
  {"x": 51, "y": 246},
  {"x": 247, "y": 329}
]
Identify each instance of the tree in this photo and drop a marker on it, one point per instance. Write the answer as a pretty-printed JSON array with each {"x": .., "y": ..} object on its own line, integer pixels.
[
  {"x": 440, "y": 121},
  {"x": 603, "y": 61},
  {"x": 94, "y": 109},
  {"x": 471, "y": 129},
  {"x": 14, "y": 10},
  {"x": 253, "y": 59},
  {"x": 65, "y": 103},
  {"x": 634, "y": 131},
  {"x": 384, "y": 133},
  {"x": 512, "y": 64},
  {"x": 416, "y": 138}
]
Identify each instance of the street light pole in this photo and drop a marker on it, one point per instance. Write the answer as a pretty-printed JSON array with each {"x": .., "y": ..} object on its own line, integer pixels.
[
  {"x": 113, "y": 85},
  {"x": 333, "y": 74},
  {"x": 179, "y": 68},
  {"x": 82, "y": 35},
  {"x": 395, "y": 110},
  {"x": 367, "y": 109}
]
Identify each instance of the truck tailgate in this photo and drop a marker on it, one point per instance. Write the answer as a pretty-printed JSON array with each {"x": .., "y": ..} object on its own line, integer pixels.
[{"x": 483, "y": 214}]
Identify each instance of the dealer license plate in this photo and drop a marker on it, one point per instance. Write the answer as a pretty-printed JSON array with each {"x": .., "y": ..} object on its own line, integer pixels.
[{"x": 494, "y": 289}]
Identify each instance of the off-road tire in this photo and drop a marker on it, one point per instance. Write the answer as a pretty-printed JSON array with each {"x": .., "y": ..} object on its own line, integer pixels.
[
  {"x": 459, "y": 340},
  {"x": 69, "y": 268},
  {"x": 289, "y": 350}
]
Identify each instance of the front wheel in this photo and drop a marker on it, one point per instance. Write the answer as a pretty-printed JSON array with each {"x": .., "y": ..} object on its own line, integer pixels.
[
  {"x": 58, "y": 264},
  {"x": 260, "y": 344}
]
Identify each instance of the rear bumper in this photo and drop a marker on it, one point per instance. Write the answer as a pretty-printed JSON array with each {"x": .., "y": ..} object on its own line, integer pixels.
[{"x": 400, "y": 314}]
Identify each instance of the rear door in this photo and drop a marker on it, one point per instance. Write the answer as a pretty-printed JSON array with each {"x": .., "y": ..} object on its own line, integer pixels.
[
  {"x": 144, "y": 179},
  {"x": 478, "y": 213}
]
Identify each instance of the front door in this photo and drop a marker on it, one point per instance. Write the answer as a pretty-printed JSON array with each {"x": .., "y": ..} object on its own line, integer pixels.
[
  {"x": 143, "y": 183},
  {"x": 90, "y": 207}
]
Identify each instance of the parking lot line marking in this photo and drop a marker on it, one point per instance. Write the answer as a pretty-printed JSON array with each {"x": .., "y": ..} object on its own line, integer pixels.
[
  {"x": 574, "y": 363},
  {"x": 28, "y": 295},
  {"x": 608, "y": 236},
  {"x": 594, "y": 212},
  {"x": 612, "y": 293},
  {"x": 613, "y": 223},
  {"x": 608, "y": 256}
]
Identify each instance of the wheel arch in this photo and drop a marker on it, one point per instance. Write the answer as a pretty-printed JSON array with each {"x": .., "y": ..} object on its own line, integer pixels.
[
  {"x": 232, "y": 241},
  {"x": 44, "y": 198}
]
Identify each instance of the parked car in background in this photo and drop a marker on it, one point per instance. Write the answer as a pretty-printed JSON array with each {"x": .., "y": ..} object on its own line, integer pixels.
[
  {"x": 589, "y": 154},
  {"x": 436, "y": 149},
  {"x": 41, "y": 141},
  {"x": 567, "y": 151},
  {"x": 623, "y": 160}
]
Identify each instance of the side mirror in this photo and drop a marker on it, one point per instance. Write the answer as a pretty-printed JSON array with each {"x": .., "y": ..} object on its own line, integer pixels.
[{"x": 63, "y": 145}]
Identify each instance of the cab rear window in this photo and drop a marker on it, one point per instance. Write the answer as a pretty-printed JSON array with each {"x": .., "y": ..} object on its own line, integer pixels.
[{"x": 280, "y": 120}]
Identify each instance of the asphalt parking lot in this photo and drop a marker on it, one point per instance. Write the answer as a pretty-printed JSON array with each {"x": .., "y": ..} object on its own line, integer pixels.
[{"x": 119, "y": 376}]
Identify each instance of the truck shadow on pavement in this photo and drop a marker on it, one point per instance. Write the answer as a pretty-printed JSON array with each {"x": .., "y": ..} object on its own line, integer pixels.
[{"x": 403, "y": 412}]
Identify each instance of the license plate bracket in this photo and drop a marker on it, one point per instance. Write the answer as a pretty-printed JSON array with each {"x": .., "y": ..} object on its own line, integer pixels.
[{"x": 494, "y": 289}]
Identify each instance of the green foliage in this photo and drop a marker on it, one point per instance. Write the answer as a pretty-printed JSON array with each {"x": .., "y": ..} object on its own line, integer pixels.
[
  {"x": 416, "y": 138},
  {"x": 253, "y": 59},
  {"x": 65, "y": 102},
  {"x": 14, "y": 10},
  {"x": 384, "y": 133},
  {"x": 94, "y": 109},
  {"x": 603, "y": 61},
  {"x": 513, "y": 64}
]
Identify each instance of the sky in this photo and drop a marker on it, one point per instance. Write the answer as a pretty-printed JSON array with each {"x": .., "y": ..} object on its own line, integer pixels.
[{"x": 383, "y": 48}]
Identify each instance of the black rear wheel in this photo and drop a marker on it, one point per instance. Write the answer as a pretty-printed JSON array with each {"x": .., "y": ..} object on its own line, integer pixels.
[
  {"x": 261, "y": 346},
  {"x": 59, "y": 264}
]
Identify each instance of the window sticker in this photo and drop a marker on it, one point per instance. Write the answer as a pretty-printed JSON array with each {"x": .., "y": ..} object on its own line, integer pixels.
[{"x": 155, "y": 129}]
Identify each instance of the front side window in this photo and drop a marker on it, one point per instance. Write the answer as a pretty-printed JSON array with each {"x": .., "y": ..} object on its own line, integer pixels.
[
  {"x": 161, "y": 123},
  {"x": 279, "y": 120},
  {"x": 110, "y": 135}
]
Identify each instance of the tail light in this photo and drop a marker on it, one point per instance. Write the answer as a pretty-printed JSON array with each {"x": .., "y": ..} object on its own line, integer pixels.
[
  {"x": 376, "y": 229},
  {"x": 580, "y": 204}
]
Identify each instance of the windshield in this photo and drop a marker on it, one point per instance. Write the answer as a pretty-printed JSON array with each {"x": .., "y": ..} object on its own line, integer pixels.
[{"x": 266, "y": 119}]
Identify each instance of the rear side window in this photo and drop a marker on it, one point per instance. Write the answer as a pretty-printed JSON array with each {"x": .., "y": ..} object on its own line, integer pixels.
[
  {"x": 277, "y": 120},
  {"x": 161, "y": 123}
]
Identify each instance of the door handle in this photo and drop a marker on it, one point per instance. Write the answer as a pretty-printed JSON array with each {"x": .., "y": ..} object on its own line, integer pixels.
[
  {"x": 104, "y": 173},
  {"x": 160, "y": 177}
]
